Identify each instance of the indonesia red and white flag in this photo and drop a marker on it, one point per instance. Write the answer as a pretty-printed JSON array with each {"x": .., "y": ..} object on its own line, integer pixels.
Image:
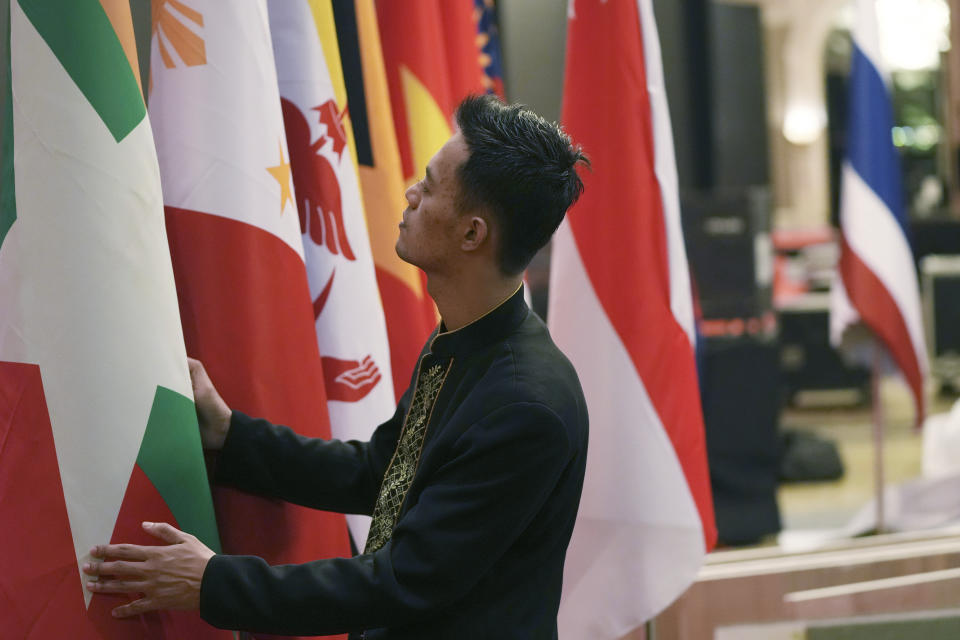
[
  {"x": 351, "y": 330},
  {"x": 877, "y": 283},
  {"x": 237, "y": 249},
  {"x": 621, "y": 309}
]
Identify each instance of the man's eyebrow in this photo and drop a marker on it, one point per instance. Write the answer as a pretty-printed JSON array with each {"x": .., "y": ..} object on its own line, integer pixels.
[{"x": 427, "y": 177}]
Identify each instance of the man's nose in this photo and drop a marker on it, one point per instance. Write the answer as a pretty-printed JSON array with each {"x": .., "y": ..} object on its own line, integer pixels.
[{"x": 413, "y": 195}]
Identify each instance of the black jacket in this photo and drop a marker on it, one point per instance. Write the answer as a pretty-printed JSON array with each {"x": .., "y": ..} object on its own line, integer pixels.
[{"x": 479, "y": 546}]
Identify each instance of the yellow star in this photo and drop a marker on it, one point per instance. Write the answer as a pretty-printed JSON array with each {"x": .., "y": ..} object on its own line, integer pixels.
[{"x": 281, "y": 173}]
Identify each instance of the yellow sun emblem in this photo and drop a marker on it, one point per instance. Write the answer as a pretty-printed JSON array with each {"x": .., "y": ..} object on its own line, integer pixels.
[{"x": 281, "y": 173}]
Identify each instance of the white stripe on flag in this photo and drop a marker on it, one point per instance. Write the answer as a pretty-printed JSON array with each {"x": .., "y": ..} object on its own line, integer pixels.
[
  {"x": 874, "y": 235},
  {"x": 866, "y": 35},
  {"x": 638, "y": 540},
  {"x": 665, "y": 167}
]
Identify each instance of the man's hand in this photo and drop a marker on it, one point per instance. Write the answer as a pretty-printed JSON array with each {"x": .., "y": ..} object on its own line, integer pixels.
[
  {"x": 212, "y": 412},
  {"x": 168, "y": 576}
]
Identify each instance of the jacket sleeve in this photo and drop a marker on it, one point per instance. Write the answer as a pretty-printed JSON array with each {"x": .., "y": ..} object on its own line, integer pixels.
[
  {"x": 333, "y": 475},
  {"x": 501, "y": 472}
]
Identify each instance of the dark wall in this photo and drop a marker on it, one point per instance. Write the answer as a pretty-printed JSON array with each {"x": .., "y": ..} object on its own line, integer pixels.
[{"x": 142, "y": 31}]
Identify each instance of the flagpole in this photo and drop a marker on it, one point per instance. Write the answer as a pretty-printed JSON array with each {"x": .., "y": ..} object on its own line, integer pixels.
[{"x": 878, "y": 419}]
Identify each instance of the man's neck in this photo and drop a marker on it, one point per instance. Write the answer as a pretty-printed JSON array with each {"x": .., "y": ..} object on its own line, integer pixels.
[{"x": 463, "y": 300}]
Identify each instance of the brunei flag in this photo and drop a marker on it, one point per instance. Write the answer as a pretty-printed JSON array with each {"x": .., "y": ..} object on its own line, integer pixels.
[
  {"x": 97, "y": 424},
  {"x": 409, "y": 311},
  {"x": 351, "y": 330}
]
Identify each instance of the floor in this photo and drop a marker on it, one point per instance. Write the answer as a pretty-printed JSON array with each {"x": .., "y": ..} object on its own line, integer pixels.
[{"x": 832, "y": 504}]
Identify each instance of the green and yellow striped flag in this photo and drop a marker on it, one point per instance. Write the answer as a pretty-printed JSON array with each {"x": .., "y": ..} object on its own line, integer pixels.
[{"x": 97, "y": 424}]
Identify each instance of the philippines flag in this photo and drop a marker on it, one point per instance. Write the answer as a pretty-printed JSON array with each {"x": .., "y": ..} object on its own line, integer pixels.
[
  {"x": 877, "y": 283},
  {"x": 622, "y": 311}
]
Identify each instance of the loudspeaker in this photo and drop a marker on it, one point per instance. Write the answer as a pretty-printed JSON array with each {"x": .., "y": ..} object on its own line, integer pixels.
[
  {"x": 727, "y": 233},
  {"x": 713, "y": 68},
  {"x": 741, "y": 405}
]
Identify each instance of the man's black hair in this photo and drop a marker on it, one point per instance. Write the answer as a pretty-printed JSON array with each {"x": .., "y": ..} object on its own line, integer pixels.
[{"x": 522, "y": 169}]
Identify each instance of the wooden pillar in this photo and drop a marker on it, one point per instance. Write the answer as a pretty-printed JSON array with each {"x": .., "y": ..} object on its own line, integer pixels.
[
  {"x": 796, "y": 32},
  {"x": 952, "y": 110}
]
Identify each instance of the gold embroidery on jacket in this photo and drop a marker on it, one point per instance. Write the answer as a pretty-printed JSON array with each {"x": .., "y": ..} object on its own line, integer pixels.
[{"x": 403, "y": 466}]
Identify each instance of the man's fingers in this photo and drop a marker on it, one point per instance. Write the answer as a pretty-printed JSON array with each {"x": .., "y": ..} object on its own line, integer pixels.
[
  {"x": 197, "y": 372},
  {"x": 165, "y": 532},
  {"x": 119, "y": 551},
  {"x": 135, "y": 608},
  {"x": 119, "y": 568},
  {"x": 117, "y": 586}
]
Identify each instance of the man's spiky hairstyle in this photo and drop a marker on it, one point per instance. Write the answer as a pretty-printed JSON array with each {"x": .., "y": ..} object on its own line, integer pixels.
[{"x": 522, "y": 169}]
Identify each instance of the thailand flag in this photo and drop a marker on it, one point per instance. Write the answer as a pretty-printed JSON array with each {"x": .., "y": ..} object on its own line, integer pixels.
[{"x": 877, "y": 283}]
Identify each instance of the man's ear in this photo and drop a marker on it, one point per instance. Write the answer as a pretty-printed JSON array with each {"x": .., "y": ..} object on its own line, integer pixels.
[{"x": 474, "y": 233}]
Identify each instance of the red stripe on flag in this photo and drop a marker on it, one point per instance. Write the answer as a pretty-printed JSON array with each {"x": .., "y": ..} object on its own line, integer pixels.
[
  {"x": 41, "y": 592},
  {"x": 407, "y": 327},
  {"x": 619, "y": 228},
  {"x": 142, "y": 502},
  {"x": 460, "y": 49},
  {"x": 880, "y": 312},
  {"x": 40, "y": 588},
  {"x": 246, "y": 313}
]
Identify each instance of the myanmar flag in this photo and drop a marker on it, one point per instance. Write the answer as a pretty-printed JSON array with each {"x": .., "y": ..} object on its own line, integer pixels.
[{"x": 97, "y": 424}]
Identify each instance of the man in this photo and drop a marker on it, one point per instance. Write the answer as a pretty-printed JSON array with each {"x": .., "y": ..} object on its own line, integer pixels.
[{"x": 474, "y": 482}]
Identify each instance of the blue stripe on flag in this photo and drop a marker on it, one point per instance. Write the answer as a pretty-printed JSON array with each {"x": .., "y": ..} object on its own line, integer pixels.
[{"x": 870, "y": 147}]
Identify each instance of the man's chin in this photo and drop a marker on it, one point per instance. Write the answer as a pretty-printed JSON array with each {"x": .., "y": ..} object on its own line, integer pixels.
[{"x": 400, "y": 252}]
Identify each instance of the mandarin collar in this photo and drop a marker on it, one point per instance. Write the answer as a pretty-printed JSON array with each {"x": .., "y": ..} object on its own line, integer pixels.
[{"x": 488, "y": 328}]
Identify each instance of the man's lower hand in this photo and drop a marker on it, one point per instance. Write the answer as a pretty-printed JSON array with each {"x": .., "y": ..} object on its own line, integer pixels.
[{"x": 168, "y": 576}]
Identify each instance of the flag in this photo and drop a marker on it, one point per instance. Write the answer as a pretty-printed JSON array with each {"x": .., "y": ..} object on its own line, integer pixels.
[
  {"x": 877, "y": 283},
  {"x": 620, "y": 308},
  {"x": 432, "y": 63},
  {"x": 237, "y": 251},
  {"x": 410, "y": 313},
  {"x": 97, "y": 421},
  {"x": 350, "y": 325},
  {"x": 461, "y": 49},
  {"x": 421, "y": 96},
  {"x": 488, "y": 39}
]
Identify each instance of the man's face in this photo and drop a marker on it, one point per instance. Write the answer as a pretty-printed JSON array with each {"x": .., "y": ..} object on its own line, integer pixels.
[{"x": 431, "y": 234}]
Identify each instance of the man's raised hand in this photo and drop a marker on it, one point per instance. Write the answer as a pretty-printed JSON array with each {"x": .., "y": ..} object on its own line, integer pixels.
[{"x": 213, "y": 413}]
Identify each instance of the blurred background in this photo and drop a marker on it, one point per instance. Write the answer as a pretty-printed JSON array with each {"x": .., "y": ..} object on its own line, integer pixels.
[{"x": 757, "y": 92}]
